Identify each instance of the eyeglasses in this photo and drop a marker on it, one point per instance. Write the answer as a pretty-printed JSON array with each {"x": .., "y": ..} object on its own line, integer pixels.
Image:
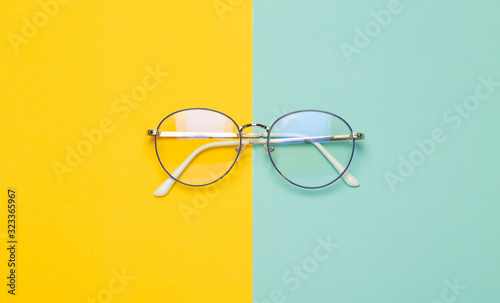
[{"x": 309, "y": 148}]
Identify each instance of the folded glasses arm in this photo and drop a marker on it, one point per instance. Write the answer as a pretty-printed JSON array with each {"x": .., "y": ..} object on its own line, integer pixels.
[
  {"x": 346, "y": 176},
  {"x": 165, "y": 187}
]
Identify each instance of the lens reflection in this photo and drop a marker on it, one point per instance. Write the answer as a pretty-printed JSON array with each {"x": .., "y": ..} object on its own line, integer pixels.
[
  {"x": 311, "y": 148},
  {"x": 209, "y": 144}
]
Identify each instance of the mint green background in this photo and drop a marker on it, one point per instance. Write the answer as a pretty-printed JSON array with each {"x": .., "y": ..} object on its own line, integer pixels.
[{"x": 443, "y": 222}]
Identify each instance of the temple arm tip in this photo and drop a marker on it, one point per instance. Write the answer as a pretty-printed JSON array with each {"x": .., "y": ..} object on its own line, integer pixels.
[
  {"x": 350, "y": 180},
  {"x": 164, "y": 188},
  {"x": 159, "y": 193}
]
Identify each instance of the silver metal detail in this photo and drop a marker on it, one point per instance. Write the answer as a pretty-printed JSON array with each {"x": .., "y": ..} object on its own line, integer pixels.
[
  {"x": 204, "y": 135},
  {"x": 197, "y": 135},
  {"x": 251, "y": 135},
  {"x": 254, "y": 124},
  {"x": 358, "y": 136},
  {"x": 201, "y": 135},
  {"x": 304, "y": 139},
  {"x": 152, "y": 132}
]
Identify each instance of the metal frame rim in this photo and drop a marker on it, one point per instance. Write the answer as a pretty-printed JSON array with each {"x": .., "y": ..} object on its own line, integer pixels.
[
  {"x": 199, "y": 108},
  {"x": 309, "y": 110}
]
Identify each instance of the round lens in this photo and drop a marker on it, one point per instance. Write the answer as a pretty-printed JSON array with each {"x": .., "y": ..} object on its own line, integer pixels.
[
  {"x": 197, "y": 146},
  {"x": 311, "y": 149}
]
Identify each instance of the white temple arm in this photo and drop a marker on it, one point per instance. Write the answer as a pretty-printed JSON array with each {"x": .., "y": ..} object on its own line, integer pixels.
[
  {"x": 346, "y": 176},
  {"x": 165, "y": 187},
  {"x": 300, "y": 138}
]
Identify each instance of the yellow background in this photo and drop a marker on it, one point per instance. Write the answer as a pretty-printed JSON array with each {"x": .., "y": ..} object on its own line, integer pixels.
[{"x": 76, "y": 234}]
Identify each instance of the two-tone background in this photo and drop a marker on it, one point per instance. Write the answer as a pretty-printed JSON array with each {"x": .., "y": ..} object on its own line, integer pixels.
[{"x": 81, "y": 82}]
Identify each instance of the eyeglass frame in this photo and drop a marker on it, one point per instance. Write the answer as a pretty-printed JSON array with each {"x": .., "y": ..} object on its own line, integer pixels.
[{"x": 240, "y": 135}]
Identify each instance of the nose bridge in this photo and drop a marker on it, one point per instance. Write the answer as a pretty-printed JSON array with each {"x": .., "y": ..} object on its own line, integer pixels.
[
  {"x": 256, "y": 135},
  {"x": 254, "y": 125}
]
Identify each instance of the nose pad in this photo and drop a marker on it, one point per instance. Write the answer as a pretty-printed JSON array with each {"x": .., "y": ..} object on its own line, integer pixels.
[
  {"x": 243, "y": 147},
  {"x": 271, "y": 149}
]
